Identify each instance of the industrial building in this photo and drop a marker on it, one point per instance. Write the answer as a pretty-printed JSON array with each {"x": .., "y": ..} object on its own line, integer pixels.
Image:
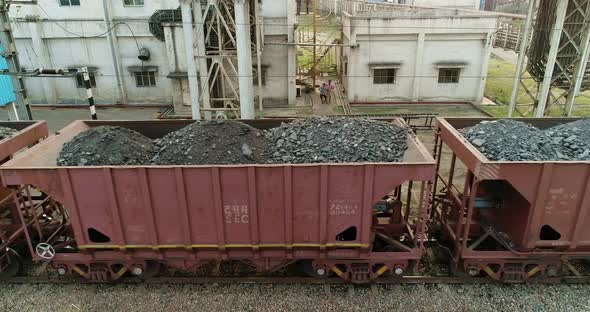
[
  {"x": 137, "y": 52},
  {"x": 410, "y": 55},
  {"x": 108, "y": 37}
]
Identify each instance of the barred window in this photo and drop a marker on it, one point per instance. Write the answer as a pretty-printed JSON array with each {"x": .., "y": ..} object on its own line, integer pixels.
[
  {"x": 69, "y": 2},
  {"x": 384, "y": 75},
  {"x": 133, "y": 2},
  {"x": 145, "y": 79},
  {"x": 80, "y": 77},
  {"x": 264, "y": 69},
  {"x": 449, "y": 75}
]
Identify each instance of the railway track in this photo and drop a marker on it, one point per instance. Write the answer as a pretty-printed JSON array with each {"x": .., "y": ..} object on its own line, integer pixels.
[{"x": 407, "y": 280}]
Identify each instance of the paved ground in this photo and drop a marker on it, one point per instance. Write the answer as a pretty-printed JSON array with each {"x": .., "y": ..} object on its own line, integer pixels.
[{"x": 59, "y": 118}]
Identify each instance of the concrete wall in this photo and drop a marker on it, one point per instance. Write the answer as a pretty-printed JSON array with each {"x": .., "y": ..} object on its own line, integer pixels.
[
  {"x": 416, "y": 49},
  {"x": 463, "y": 4},
  {"x": 91, "y": 9},
  {"x": 275, "y": 89},
  {"x": 60, "y": 49},
  {"x": 43, "y": 43},
  {"x": 378, "y": 49}
]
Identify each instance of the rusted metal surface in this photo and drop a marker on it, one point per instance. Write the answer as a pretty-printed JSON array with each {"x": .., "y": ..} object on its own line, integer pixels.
[
  {"x": 540, "y": 214},
  {"x": 188, "y": 215},
  {"x": 11, "y": 229},
  {"x": 29, "y": 133}
]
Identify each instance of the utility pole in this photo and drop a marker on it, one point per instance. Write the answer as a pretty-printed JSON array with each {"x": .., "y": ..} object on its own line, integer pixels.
[
  {"x": 21, "y": 107},
  {"x": 315, "y": 39}
]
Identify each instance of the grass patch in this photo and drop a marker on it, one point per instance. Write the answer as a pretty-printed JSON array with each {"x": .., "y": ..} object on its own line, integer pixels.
[{"x": 499, "y": 88}]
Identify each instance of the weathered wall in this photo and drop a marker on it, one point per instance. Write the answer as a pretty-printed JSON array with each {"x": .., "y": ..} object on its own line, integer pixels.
[
  {"x": 275, "y": 89},
  {"x": 463, "y": 40},
  {"x": 378, "y": 49},
  {"x": 463, "y": 4},
  {"x": 57, "y": 48}
]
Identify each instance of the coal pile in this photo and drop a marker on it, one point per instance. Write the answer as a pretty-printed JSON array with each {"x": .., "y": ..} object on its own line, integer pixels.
[
  {"x": 6, "y": 133},
  {"x": 580, "y": 128},
  {"x": 511, "y": 140},
  {"x": 572, "y": 140},
  {"x": 107, "y": 146},
  {"x": 212, "y": 143},
  {"x": 337, "y": 140}
]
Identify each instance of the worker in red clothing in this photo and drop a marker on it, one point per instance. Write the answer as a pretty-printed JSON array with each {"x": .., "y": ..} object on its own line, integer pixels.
[{"x": 307, "y": 5}]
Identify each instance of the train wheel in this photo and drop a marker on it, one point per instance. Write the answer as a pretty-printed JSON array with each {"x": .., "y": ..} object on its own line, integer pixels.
[
  {"x": 319, "y": 272},
  {"x": 11, "y": 265},
  {"x": 151, "y": 269}
]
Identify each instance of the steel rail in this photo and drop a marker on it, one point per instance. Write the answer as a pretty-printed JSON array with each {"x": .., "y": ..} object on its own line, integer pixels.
[{"x": 407, "y": 280}]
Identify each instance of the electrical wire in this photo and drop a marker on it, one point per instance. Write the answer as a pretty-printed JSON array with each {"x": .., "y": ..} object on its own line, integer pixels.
[
  {"x": 145, "y": 20},
  {"x": 95, "y": 36}
]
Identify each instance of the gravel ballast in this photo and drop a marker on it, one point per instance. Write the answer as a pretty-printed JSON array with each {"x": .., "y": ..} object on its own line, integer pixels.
[
  {"x": 6, "y": 133},
  {"x": 511, "y": 140},
  {"x": 213, "y": 297},
  {"x": 337, "y": 140},
  {"x": 212, "y": 143},
  {"x": 106, "y": 146}
]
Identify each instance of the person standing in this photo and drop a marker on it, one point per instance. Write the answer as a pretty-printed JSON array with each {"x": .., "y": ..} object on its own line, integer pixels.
[
  {"x": 323, "y": 94},
  {"x": 307, "y": 5},
  {"x": 299, "y": 6},
  {"x": 330, "y": 88}
]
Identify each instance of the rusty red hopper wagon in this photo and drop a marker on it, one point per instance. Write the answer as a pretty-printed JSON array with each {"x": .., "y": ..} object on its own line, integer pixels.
[
  {"x": 511, "y": 220},
  {"x": 134, "y": 219},
  {"x": 11, "y": 230}
]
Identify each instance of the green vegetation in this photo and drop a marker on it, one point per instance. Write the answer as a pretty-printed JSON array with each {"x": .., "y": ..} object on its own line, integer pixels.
[{"x": 499, "y": 88}]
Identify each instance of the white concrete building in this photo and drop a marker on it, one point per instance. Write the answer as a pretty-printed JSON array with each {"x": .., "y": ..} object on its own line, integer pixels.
[
  {"x": 457, "y": 4},
  {"x": 70, "y": 34},
  {"x": 414, "y": 55}
]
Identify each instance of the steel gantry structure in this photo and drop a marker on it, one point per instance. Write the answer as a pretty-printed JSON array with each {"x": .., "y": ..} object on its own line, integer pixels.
[
  {"x": 219, "y": 48},
  {"x": 552, "y": 65}
]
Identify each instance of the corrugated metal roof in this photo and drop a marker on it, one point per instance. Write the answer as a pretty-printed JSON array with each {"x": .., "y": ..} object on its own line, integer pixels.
[{"x": 6, "y": 89}]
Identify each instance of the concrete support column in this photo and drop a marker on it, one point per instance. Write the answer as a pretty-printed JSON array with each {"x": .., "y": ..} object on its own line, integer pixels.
[
  {"x": 114, "y": 46},
  {"x": 189, "y": 45},
  {"x": 556, "y": 33},
  {"x": 418, "y": 67},
  {"x": 291, "y": 54},
  {"x": 487, "y": 51},
  {"x": 171, "y": 56},
  {"x": 49, "y": 86},
  {"x": 242, "y": 18},
  {"x": 201, "y": 55}
]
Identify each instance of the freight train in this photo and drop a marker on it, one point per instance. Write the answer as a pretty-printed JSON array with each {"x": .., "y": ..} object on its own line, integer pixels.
[{"x": 510, "y": 221}]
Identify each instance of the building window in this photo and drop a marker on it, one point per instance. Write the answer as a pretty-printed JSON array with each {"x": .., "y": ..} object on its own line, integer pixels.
[
  {"x": 384, "y": 75},
  {"x": 69, "y": 2},
  {"x": 255, "y": 74},
  {"x": 133, "y": 2},
  {"x": 145, "y": 79},
  {"x": 449, "y": 75},
  {"x": 80, "y": 77}
]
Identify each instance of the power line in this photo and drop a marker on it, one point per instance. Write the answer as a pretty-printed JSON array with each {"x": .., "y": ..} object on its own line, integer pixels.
[
  {"x": 145, "y": 20},
  {"x": 293, "y": 76},
  {"x": 95, "y": 36}
]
